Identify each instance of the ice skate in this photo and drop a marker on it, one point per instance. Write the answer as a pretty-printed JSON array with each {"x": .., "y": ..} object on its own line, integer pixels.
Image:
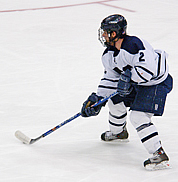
[
  {"x": 109, "y": 136},
  {"x": 159, "y": 161}
]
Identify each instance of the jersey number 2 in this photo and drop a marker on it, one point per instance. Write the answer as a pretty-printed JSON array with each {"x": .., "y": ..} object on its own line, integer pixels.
[{"x": 141, "y": 57}]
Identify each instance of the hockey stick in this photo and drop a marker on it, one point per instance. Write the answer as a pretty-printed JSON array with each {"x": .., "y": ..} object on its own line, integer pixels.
[{"x": 26, "y": 140}]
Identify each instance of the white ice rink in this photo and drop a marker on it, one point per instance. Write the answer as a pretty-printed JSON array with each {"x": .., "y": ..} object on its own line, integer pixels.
[{"x": 50, "y": 61}]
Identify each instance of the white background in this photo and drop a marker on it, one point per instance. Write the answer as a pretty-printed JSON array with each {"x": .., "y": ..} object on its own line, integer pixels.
[{"x": 50, "y": 61}]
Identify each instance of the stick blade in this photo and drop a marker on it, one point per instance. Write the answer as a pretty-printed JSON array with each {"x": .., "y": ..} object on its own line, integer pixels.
[{"x": 22, "y": 137}]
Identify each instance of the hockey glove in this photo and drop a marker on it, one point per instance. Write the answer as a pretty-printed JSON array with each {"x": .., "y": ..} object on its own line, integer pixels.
[
  {"x": 87, "y": 109},
  {"x": 124, "y": 86}
]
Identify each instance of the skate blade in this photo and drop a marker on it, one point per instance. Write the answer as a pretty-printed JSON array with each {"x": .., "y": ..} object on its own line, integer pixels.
[
  {"x": 117, "y": 141},
  {"x": 154, "y": 167}
]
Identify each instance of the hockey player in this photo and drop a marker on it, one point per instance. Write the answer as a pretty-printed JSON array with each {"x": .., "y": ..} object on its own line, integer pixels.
[{"x": 140, "y": 75}]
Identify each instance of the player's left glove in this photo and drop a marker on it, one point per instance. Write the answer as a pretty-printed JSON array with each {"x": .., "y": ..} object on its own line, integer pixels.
[
  {"x": 87, "y": 110},
  {"x": 124, "y": 86}
]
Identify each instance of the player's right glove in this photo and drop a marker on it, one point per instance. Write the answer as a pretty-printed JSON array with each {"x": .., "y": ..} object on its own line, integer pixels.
[
  {"x": 124, "y": 86},
  {"x": 87, "y": 109}
]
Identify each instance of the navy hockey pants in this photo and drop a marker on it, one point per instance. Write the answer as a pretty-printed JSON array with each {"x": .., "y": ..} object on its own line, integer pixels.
[{"x": 149, "y": 99}]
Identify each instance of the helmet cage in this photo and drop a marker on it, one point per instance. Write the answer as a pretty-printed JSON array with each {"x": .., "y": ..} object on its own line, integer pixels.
[{"x": 101, "y": 38}]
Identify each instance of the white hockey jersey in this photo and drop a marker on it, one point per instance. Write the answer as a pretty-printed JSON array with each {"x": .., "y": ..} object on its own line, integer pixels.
[{"x": 148, "y": 66}]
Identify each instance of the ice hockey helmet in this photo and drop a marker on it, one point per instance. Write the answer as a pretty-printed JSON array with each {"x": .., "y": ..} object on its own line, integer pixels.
[{"x": 116, "y": 23}]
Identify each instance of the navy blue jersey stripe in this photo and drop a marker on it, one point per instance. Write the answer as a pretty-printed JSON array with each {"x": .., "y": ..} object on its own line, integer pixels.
[
  {"x": 109, "y": 80},
  {"x": 146, "y": 70},
  {"x": 107, "y": 87},
  {"x": 117, "y": 70},
  {"x": 140, "y": 75}
]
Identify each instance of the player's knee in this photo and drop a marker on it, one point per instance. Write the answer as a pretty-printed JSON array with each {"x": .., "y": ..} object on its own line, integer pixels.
[
  {"x": 138, "y": 118},
  {"x": 117, "y": 109}
]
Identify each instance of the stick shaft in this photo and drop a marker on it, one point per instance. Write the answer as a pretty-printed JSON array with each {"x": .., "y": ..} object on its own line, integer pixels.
[
  {"x": 61, "y": 124},
  {"x": 27, "y": 140},
  {"x": 77, "y": 115}
]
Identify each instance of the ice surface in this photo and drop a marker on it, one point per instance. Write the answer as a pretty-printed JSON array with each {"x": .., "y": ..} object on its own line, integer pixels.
[{"x": 49, "y": 64}]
